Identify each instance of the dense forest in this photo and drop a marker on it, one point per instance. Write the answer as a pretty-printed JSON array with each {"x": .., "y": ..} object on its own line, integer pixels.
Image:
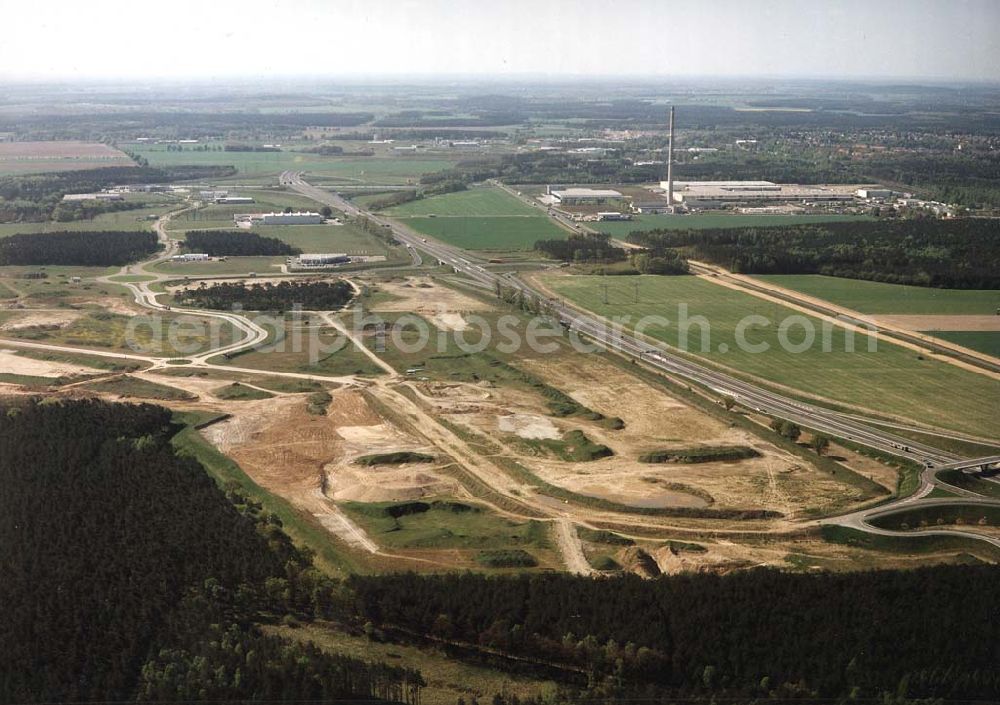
[
  {"x": 129, "y": 574},
  {"x": 594, "y": 247},
  {"x": 236, "y": 243},
  {"x": 959, "y": 254},
  {"x": 759, "y": 633},
  {"x": 91, "y": 248},
  {"x": 280, "y": 297},
  {"x": 38, "y": 197}
]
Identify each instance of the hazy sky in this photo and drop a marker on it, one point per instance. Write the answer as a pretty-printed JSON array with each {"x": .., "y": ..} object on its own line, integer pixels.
[{"x": 935, "y": 39}]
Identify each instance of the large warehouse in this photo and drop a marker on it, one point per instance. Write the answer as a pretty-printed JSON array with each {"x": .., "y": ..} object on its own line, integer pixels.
[
  {"x": 584, "y": 196},
  {"x": 713, "y": 194}
]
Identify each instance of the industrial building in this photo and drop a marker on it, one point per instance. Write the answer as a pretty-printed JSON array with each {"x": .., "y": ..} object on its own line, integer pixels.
[
  {"x": 613, "y": 215},
  {"x": 230, "y": 200},
  {"x": 93, "y": 197},
  {"x": 650, "y": 207},
  {"x": 296, "y": 218},
  {"x": 584, "y": 196},
  {"x": 190, "y": 257},
  {"x": 874, "y": 193},
  {"x": 212, "y": 195},
  {"x": 320, "y": 260},
  {"x": 714, "y": 194}
]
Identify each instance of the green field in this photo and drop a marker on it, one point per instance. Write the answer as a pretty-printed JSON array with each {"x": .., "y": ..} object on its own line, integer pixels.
[
  {"x": 380, "y": 170},
  {"x": 312, "y": 351},
  {"x": 890, "y": 380},
  {"x": 986, "y": 341},
  {"x": 139, "y": 219},
  {"x": 714, "y": 220},
  {"x": 167, "y": 334},
  {"x": 876, "y": 297},
  {"x": 489, "y": 233},
  {"x": 128, "y": 387},
  {"x": 474, "y": 202},
  {"x": 444, "y": 524},
  {"x": 234, "y": 265}
]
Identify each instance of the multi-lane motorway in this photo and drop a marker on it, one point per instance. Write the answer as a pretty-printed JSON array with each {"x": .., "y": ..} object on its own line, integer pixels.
[{"x": 657, "y": 356}]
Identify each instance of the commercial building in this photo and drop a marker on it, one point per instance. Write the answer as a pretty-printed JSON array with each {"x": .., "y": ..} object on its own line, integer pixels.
[
  {"x": 584, "y": 196},
  {"x": 613, "y": 215},
  {"x": 212, "y": 195},
  {"x": 190, "y": 257},
  {"x": 714, "y": 194}
]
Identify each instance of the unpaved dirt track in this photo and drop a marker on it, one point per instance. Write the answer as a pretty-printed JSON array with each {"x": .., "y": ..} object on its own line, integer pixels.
[{"x": 570, "y": 547}]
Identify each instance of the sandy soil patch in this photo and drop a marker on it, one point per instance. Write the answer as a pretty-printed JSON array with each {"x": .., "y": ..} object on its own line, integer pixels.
[
  {"x": 449, "y": 321},
  {"x": 285, "y": 450},
  {"x": 27, "y": 318},
  {"x": 938, "y": 322},
  {"x": 528, "y": 426},
  {"x": 424, "y": 296},
  {"x": 653, "y": 419},
  {"x": 10, "y": 363},
  {"x": 649, "y": 497}
]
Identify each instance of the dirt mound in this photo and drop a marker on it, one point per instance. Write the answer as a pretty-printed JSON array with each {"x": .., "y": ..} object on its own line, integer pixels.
[{"x": 637, "y": 560}]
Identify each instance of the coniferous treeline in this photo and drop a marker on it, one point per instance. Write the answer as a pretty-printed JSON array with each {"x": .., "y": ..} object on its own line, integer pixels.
[
  {"x": 129, "y": 575},
  {"x": 236, "y": 243},
  {"x": 280, "y": 297},
  {"x": 959, "y": 253},
  {"x": 591, "y": 247},
  {"x": 91, "y": 248},
  {"x": 756, "y": 633}
]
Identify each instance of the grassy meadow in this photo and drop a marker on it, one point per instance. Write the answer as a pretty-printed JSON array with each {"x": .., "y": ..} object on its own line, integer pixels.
[{"x": 890, "y": 380}]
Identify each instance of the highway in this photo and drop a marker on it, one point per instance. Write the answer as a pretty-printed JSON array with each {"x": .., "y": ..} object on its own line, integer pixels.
[
  {"x": 748, "y": 395},
  {"x": 659, "y": 357}
]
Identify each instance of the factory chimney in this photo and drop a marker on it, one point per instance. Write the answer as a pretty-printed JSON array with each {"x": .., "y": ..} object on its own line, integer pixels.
[{"x": 670, "y": 161}]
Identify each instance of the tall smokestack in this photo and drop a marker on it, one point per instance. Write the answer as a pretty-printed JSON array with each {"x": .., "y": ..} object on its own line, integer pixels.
[{"x": 670, "y": 161}]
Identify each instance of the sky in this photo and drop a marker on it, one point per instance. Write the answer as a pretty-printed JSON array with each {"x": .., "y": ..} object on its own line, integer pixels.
[{"x": 117, "y": 39}]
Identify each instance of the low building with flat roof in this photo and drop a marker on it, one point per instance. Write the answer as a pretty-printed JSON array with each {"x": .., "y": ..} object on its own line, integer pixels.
[
  {"x": 714, "y": 194},
  {"x": 296, "y": 218},
  {"x": 321, "y": 260},
  {"x": 585, "y": 196}
]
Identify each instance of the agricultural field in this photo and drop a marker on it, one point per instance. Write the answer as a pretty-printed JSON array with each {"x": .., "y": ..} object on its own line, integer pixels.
[
  {"x": 984, "y": 341},
  {"x": 966, "y": 317},
  {"x": 38, "y": 157},
  {"x": 478, "y": 219},
  {"x": 257, "y": 165},
  {"x": 490, "y": 233},
  {"x": 891, "y": 380},
  {"x": 877, "y": 297},
  {"x": 714, "y": 220},
  {"x": 479, "y": 202}
]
